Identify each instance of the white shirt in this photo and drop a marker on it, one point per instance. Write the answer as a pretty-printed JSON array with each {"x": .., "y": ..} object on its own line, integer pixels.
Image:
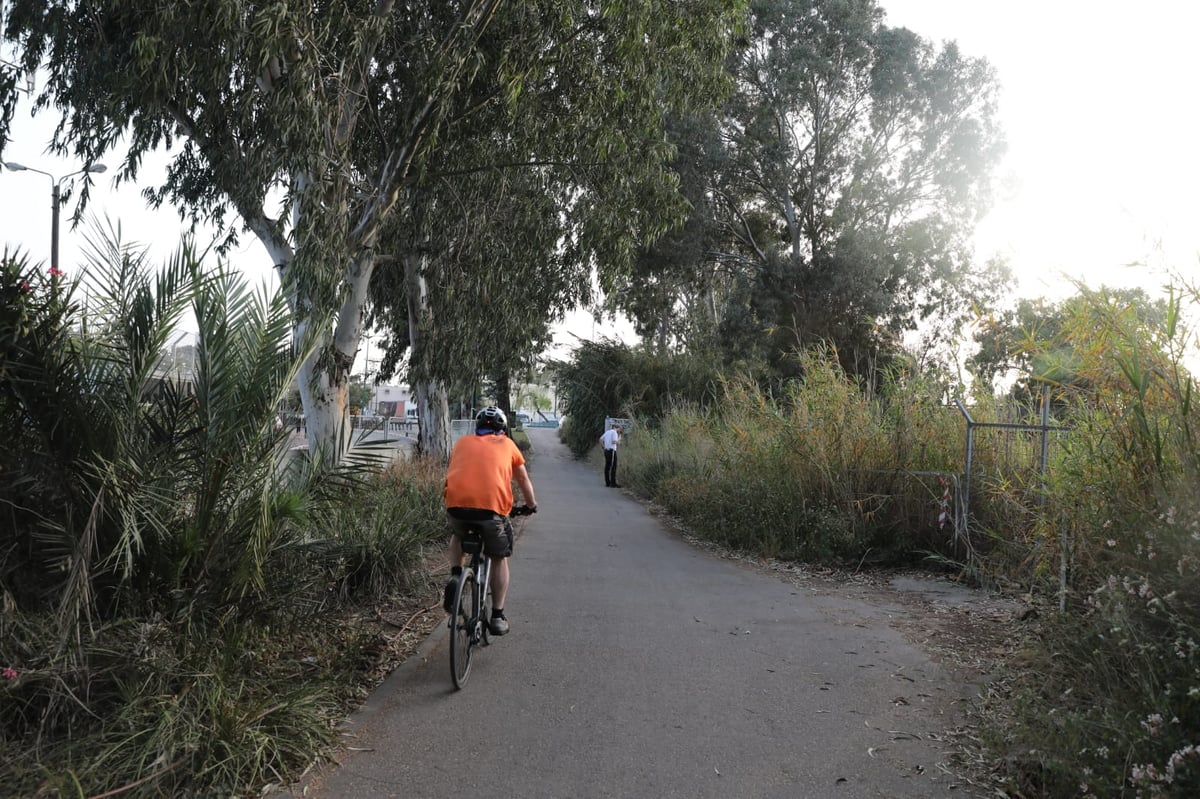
[{"x": 610, "y": 439}]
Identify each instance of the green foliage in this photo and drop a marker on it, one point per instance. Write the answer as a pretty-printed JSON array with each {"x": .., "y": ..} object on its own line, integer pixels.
[
  {"x": 817, "y": 473},
  {"x": 360, "y": 396},
  {"x": 1034, "y": 339},
  {"x": 163, "y": 714},
  {"x": 607, "y": 378},
  {"x": 370, "y": 543},
  {"x": 122, "y": 470},
  {"x": 477, "y": 148},
  {"x": 560, "y": 171},
  {"x": 165, "y": 557},
  {"x": 834, "y": 196},
  {"x": 1116, "y": 696}
]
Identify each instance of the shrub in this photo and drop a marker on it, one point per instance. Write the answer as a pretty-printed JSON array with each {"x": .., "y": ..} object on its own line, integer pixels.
[
  {"x": 607, "y": 379},
  {"x": 163, "y": 556},
  {"x": 814, "y": 473},
  {"x": 1116, "y": 704}
]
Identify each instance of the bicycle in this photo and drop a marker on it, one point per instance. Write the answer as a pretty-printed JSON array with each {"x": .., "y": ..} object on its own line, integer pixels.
[{"x": 468, "y": 622}]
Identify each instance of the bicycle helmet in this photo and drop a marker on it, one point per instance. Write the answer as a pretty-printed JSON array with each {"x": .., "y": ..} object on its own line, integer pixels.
[{"x": 490, "y": 420}]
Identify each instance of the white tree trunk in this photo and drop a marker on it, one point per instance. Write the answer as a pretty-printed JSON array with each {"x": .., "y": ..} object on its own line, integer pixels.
[
  {"x": 433, "y": 438},
  {"x": 326, "y": 405},
  {"x": 433, "y": 406}
]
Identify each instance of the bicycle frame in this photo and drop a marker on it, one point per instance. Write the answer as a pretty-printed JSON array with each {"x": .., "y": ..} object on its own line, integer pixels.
[{"x": 479, "y": 567}]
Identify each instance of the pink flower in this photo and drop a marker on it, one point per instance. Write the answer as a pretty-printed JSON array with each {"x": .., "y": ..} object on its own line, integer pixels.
[
  {"x": 9, "y": 673},
  {"x": 25, "y": 287},
  {"x": 56, "y": 272}
]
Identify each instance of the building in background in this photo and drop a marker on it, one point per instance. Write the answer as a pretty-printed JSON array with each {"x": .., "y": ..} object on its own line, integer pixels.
[{"x": 391, "y": 401}]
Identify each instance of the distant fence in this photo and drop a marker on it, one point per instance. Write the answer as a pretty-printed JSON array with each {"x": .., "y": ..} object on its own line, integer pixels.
[
  {"x": 1013, "y": 459},
  {"x": 1012, "y": 446},
  {"x": 387, "y": 424}
]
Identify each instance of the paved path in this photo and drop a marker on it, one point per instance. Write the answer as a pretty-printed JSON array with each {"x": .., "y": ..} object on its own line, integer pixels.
[{"x": 640, "y": 666}]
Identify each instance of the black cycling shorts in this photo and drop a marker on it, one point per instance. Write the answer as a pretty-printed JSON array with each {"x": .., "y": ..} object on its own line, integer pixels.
[{"x": 495, "y": 529}]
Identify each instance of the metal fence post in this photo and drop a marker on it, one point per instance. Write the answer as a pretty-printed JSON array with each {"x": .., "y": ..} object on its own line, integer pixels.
[
  {"x": 966, "y": 488},
  {"x": 1045, "y": 447}
]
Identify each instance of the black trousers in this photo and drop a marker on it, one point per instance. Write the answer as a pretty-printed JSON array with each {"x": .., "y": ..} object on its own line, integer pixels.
[{"x": 610, "y": 467}]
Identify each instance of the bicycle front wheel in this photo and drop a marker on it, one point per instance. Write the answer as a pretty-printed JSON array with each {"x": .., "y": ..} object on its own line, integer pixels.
[{"x": 462, "y": 628}]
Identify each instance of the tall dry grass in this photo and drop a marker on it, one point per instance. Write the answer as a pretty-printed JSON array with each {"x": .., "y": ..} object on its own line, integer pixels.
[
  {"x": 823, "y": 471},
  {"x": 1110, "y": 706}
]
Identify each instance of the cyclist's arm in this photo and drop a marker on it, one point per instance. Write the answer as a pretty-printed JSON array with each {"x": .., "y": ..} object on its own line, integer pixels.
[{"x": 525, "y": 484}]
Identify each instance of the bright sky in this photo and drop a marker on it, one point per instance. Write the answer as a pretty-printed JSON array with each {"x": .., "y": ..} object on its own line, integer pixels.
[{"x": 1097, "y": 104}]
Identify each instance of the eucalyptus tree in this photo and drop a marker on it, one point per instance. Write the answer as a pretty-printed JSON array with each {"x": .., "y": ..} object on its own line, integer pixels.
[
  {"x": 854, "y": 161},
  {"x": 868, "y": 151},
  {"x": 492, "y": 279},
  {"x": 313, "y": 126},
  {"x": 519, "y": 211},
  {"x": 674, "y": 291}
]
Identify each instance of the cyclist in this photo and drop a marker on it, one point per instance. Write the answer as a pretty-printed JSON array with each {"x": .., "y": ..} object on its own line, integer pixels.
[{"x": 479, "y": 493}]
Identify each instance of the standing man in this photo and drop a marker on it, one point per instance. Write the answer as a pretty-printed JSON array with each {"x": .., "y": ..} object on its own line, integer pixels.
[
  {"x": 609, "y": 440},
  {"x": 479, "y": 493}
]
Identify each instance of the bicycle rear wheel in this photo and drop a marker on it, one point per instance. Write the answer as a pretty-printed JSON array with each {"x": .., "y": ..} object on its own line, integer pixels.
[{"x": 462, "y": 628}]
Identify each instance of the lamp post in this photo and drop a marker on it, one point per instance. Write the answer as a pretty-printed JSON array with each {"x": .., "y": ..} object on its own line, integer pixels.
[
  {"x": 55, "y": 193},
  {"x": 175, "y": 353}
]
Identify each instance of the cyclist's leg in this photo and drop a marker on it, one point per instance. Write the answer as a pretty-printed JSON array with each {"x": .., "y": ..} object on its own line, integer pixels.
[
  {"x": 499, "y": 582},
  {"x": 498, "y": 546},
  {"x": 454, "y": 552},
  {"x": 455, "y": 557}
]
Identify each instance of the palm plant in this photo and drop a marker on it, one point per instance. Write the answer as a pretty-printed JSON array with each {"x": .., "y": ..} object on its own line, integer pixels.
[
  {"x": 128, "y": 479},
  {"x": 146, "y": 519}
]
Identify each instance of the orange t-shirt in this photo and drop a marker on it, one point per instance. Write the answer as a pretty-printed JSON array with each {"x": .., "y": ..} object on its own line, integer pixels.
[{"x": 480, "y": 473}]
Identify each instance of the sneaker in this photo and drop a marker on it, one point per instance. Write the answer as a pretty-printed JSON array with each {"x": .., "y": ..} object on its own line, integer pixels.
[
  {"x": 498, "y": 625},
  {"x": 448, "y": 595}
]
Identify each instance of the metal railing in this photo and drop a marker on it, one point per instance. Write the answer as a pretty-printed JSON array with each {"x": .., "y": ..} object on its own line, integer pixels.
[
  {"x": 1041, "y": 434},
  {"x": 1044, "y": 429}
]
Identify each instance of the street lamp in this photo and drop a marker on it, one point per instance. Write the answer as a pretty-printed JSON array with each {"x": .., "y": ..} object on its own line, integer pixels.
[
  {"x": 55, "y": 191},
  {"x": 175, "y": 353}
]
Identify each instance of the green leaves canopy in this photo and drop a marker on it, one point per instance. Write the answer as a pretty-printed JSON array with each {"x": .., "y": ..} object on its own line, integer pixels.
[
  {"x": 336, "y": 129},
  {"x": 557, "y": 178},
  {"x": 853, "y": 160}
]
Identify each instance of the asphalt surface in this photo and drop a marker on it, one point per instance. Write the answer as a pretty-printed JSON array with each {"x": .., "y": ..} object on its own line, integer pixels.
[{"x": 641, "y": 666}]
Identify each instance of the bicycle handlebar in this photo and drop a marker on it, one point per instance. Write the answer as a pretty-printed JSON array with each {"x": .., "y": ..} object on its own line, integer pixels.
[{"x": 522, "y": 510}]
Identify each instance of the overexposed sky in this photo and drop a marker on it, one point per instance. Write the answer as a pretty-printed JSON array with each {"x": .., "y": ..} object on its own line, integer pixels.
[
  {"x": 1098, "y": 103},
  {"x": 25, "y": 204}
]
